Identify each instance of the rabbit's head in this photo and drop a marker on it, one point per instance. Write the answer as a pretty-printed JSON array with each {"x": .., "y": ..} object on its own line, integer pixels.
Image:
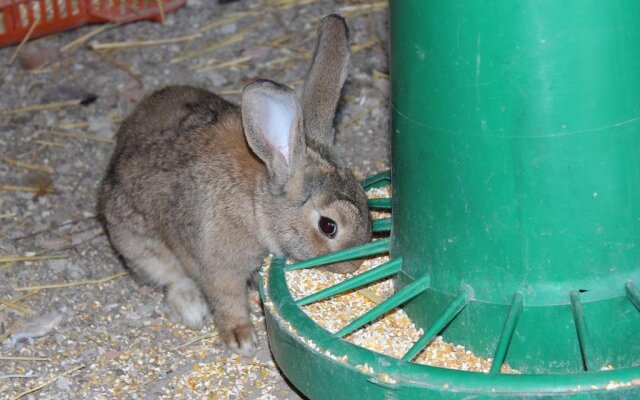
[{"x": 310, "y": 204}]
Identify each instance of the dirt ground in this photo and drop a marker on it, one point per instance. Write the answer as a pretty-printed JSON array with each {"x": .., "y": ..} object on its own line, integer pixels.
[{"x": 73, "y": 324}]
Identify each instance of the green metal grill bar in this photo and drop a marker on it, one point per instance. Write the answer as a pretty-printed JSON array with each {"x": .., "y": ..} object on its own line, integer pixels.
[
  {"x": 379, "y": 272},
  {"x": 374, "y": 180},
  {"x": 586, "y": 347},
  {"x": 381, "y": 225},
  {"x": 507, "y": 332},
  {"x": 365, "y": 250},
  {"x": 633, "y": 294},
  {"x": 380, "y": 203},
  {"x": 447, "y": 316},
  {"x": 406, "y": 294}
]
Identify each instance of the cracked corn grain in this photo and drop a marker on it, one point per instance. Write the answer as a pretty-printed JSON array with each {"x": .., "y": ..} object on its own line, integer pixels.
[
  {"x": 239, "y": 374},
  {"x": 225, "y": 375},
  {"x": 379, "y": 193},
  {"x": 394, "y": 333}
]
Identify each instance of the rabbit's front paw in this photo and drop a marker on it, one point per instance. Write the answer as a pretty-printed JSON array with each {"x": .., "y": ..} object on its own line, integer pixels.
[
  {"x": 187, "y": 303},
  {"x": 241, "y": 338}
]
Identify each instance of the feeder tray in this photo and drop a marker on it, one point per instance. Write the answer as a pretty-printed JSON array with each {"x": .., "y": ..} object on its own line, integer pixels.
[
  {"x": 17, "y": 17},
  {"x": 515, "y": 226},
  {"x": 305, "y": 351}
]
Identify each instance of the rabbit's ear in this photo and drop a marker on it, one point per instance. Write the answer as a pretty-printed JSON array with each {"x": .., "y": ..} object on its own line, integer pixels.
[
  {"x": 325, "y": 79},
  {"x": 272, "y": 122}
]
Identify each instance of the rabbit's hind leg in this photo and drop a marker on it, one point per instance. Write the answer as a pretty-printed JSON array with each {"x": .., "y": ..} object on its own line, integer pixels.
[{"x": 154, "y": 262}]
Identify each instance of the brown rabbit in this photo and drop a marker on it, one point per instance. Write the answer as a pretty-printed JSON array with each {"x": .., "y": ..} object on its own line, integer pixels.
[{"x": 198, "y": 190}]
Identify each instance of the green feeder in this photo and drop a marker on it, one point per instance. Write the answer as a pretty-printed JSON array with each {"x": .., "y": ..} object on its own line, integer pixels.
[{"x": 516, "y": 209}]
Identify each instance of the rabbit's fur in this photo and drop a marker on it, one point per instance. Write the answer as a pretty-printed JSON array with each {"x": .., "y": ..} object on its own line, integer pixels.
[{"x": 198, "y": 190}]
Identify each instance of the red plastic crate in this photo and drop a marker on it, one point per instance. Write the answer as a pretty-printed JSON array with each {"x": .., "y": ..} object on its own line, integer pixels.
[{"x": 51, "y": 16}]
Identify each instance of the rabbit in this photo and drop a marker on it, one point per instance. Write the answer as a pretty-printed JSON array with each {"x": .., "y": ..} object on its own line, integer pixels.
[{"x": 199, "y": 190}]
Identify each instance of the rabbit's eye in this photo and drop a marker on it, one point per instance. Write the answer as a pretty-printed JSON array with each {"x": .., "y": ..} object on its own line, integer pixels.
[{"x": 328, "y": 227}]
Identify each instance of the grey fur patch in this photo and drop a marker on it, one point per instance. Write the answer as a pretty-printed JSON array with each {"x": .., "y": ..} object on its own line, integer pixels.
[{"x": 198, "y": 115}]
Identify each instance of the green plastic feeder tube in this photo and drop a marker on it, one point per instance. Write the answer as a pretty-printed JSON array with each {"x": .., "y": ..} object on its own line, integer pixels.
[{"x": 516, "y": 168}]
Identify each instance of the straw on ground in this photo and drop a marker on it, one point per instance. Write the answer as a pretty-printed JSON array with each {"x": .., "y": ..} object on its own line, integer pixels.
[{"x": 71, "y": 284}]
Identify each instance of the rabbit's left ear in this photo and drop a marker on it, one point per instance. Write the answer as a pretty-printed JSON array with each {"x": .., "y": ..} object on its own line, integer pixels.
[
  {"x": 272, "y": 122},
  {"x": 325, "y": 79}
]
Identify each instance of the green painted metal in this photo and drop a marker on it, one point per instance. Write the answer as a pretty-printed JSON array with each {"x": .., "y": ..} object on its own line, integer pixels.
[
  {"x": 507, "y": 332},
  {"x": 402, "y": 296},
  {"x": 633, "y": 294},
  {"x": 516, "y": 167},
  {"x": 380, "y": 272},
  {"x": 381, "y": 225},
  {"x": 368, "y": 249},
  {"x": 320, "y": 371},
  {"x": 586, "y": 346},
  {"x": 379, "y": 203},
  {"x": 457, "y": 305},
  {"x": 377, "y": 180}
]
